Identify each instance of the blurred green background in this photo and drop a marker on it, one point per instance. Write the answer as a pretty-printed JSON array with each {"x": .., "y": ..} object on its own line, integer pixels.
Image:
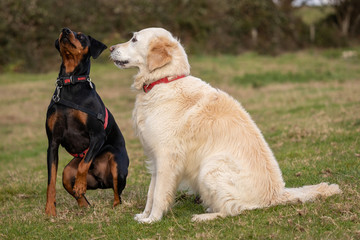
[{"x": 28, "y": 28}]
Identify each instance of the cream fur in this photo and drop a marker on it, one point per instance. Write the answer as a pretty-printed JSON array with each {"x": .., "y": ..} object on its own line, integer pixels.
[{"x": 195, "y": 134}]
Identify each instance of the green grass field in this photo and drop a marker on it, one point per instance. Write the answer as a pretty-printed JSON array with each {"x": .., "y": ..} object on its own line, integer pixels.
[{"x": 307, "y": 105}]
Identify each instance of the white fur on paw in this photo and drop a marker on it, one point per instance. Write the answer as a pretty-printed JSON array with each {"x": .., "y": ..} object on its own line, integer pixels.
[
  {"x": 205, "y": 217},
  {"x": 148, "y": 220},
  {"x": 197, "y": 218},
  {"x": 140, "y": 216}
]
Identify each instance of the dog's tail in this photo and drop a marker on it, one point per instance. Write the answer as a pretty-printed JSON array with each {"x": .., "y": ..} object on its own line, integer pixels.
[{"x": 307, "y": 193}]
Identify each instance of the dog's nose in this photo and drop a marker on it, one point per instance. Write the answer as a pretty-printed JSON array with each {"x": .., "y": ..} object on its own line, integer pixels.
[
  {"x": 112, "y": 48},
  {"x": 66, "y": 31}
]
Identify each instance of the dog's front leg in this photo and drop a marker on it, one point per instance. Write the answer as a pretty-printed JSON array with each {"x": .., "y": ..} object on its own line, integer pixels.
[
  {"x": 96, "y": 142},
  {"x": 52, "y": 165},
  {"x": 149, "y": 201},
  {"x": 164, "y": 191}
]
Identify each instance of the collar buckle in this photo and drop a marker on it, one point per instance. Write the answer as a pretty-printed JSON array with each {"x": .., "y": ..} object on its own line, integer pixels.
[
  {"x": 72, "y": 79},
  {"x": 145, "y": 87},
  {"x": 88, "y": 79}
]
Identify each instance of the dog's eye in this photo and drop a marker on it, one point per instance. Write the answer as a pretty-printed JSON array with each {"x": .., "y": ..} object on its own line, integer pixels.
[{"x": 134, "y": 39}]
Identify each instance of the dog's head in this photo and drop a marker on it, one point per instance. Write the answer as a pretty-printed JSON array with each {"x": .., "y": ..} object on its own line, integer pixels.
[
  {"x": 75, "y": 47},
  {"x": 155, "y": 52}
]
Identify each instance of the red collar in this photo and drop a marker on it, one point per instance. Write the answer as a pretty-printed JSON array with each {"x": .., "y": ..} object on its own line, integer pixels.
[
  {"x": 72, "y": 79},
  {"x": 147, "y": 88}
]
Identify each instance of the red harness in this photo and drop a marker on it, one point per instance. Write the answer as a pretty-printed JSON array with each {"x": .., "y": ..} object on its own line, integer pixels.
[
  {"x": 147, "y": 88},
  {"x": 81, "y": 155}
]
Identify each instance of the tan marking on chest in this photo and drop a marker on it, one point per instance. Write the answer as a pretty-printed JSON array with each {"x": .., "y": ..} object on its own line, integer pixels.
[
  {"x": 52, "y": 120},
  {"x": 81, "y": 116}
]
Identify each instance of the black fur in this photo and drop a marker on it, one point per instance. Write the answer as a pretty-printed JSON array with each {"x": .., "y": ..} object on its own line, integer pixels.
[{"x": 64, "y": 127}]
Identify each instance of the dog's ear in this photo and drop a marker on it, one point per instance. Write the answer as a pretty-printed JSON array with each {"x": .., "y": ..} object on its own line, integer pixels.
[
  {"x": 160, "y": 53},
  {"x": 96, "y": 47},
  {"x": 57, "y": 46}
]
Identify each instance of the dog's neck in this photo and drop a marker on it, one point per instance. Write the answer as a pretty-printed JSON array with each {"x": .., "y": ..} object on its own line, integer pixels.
[{"x": 83, "y": 68}]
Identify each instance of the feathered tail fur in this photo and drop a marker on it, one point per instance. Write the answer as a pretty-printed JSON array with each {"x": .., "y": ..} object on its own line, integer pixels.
[{"x": 307, "y": 193}]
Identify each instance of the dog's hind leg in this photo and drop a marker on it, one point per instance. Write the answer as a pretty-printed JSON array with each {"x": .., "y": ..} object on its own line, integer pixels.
[
  {"x": 115, "y": 179},
  {"x": 220, "y": 187},
  {"x": 69, "y": 174},
  {"x": 118, "y": 167}
]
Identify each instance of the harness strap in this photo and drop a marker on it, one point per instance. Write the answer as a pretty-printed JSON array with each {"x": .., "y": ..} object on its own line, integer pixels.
[
  {"x": 106, "y": 120},
  {"x": 62, "y": 81},
  {"x": 80, "y": 155},
  {"x": 99, "y": 116}
]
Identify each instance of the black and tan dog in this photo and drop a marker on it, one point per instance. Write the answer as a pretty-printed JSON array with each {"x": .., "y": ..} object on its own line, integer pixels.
[{"x": 78, "y": 120}]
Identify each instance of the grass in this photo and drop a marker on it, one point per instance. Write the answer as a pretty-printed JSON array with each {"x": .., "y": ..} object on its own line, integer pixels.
[{"x": 307, "y": 105}]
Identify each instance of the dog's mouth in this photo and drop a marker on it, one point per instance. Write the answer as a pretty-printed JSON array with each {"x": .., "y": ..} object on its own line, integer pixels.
[
  {"x": 121, "y": 63},
  {"x": 65, "y": 40}
]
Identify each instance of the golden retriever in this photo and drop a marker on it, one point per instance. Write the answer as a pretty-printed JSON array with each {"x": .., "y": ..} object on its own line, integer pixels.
[{"x": 195, "y": 134}]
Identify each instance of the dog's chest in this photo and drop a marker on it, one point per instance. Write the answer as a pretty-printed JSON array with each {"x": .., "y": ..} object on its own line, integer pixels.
[{"x": 155, "y": 118}]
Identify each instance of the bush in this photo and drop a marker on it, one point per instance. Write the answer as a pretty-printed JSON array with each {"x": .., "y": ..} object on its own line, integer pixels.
[{"x": 29, "y": 27}]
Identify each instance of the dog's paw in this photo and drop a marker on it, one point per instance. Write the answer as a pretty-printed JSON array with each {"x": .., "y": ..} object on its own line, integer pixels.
[
  {"x": 116, "y": 203},
  {"x": 140, "y": 216},
  {"x": 148, "y": 220},
  {"x": 197, "y": 218},
  {"x": 50, "y": 210},
  {"x": 82, "y": 202},
  {"x": 206, "y": 217},
  {"x": 79, "y": 189}
]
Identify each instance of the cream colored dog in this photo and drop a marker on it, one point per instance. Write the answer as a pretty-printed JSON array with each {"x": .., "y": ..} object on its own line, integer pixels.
[{"x": 195, "y": 134}]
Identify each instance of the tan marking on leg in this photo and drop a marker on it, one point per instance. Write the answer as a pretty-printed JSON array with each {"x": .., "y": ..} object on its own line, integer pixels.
[
  {"x": 103, "y": 164},
  {"x": 114, "y": 172},
  {"x": 82, "y": 202},
  {"x": 68, "y": 174},
  {"x": 80, "y": 182},
  {"x": 50, "y": 208}
]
